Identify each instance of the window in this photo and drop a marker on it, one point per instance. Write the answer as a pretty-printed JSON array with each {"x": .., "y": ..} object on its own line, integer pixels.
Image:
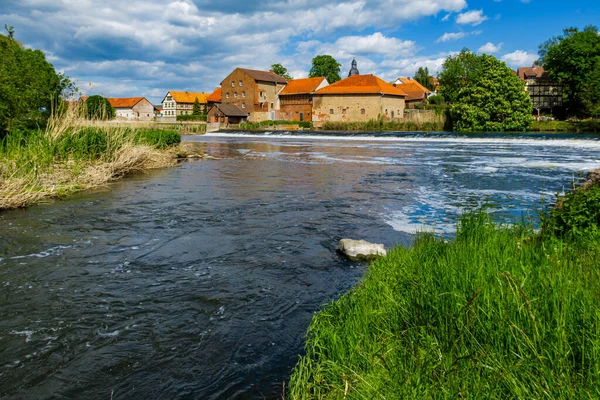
[
  {"x": 243, "y": 105},
  {"x": 235, "y": 94},
  {"x": 232, "y": 83},
  {"x": 272, "y": 105},
  {"x": 362, "y": 110},
  {"x": 344, "y": 111},
  {"x": 392, "y": 114},
  {"x": 241, "y": 84},
  {"x": 243, "y": 94},
  {"x": 169, "y": 98},
  {"x": 331, "y": 111},
  {"x": 226, "y": 95}
]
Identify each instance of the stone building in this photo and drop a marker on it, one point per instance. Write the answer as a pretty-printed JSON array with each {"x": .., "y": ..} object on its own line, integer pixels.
[
  {"x": 296, "y": 98},
  {"x": 357, "y": 98},
  {"x": 415, "y": 92},
  {"x": 182, "y": 103},
  {"x": 227, "y": 114},
  {"x": 132, "y": 108},
  {"x": 255, "y": 92}
]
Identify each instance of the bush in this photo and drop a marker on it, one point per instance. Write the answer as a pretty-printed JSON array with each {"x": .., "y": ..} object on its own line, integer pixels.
[
  {"x": 158, "y": 138},
  {"x": 192, "y": 117},
  {"x": 436, "y": 100},
  {"x": 305, "y": 124},
  {"x": 97, "y": 107},
  {"x": 577, "y": 214}
]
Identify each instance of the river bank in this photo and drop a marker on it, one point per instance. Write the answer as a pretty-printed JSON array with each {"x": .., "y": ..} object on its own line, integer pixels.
[
  {"x": 584, "y": 126},
  {"x": 72, "y": 155},
  {"x": 498, "y": 312}
]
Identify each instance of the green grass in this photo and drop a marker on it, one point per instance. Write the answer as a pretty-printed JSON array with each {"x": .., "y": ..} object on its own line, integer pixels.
[
  {"x": 497, "y": 313},
  {"x": 379, "y": 126},
  {"x": 585, "y": 126}
]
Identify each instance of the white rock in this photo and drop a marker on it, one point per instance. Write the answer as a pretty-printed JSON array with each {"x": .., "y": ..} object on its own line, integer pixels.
[{"x": 360, "y": 250}]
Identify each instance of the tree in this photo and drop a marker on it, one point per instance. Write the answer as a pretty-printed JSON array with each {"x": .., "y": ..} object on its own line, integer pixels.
[
  {"x": 281, "y": 71},
  {"x": 493, "y": 99},
  {"x": 30, "y": 88},
  {"x": 456, "y": 72},
  {"x": 573, "y": 60},
  {"x": 422, "y": 76},
  {"x": 326, "y": 66},
  {"x": 97, "y": 107},
  {"x": 196, "y": 110}
]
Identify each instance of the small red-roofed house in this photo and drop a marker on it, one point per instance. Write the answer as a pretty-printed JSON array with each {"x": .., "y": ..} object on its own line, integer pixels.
[
  {"x": 132, "y": 108},
  {"x": 415, "y": 92},
  {"x": 296, "y": 98},
  {"x": 358, "y": 98},
  {"x": 214, "y": 98}
]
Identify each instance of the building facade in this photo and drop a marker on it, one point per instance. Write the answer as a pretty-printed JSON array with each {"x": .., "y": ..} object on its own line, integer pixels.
[
  {"x": 182, "y": 103},
  {"x": 545, "y": 95},
  {"x": 296, "y": 98},
  {"x": 132, "y": 108},
  {"x": 358, "y": 98},
  {"x": 416, "y": 94},
  {"x": 254, "y": 92}
]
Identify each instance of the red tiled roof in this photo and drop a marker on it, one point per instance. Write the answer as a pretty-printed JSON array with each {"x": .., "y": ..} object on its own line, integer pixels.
[
  {"x": 215, "y": 97},
  {"x": 124, "y": 102},
  {"x": 361, "y": 84},
  {"x": 530, "y": 72},
  {"x": 413, "y": 89},
  {"x": 189, "y": 97},
  {"x": 302, "y": 86}
]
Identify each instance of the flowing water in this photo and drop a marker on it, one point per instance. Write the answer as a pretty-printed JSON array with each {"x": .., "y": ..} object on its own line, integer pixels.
[{"x": 200, "y": 281}]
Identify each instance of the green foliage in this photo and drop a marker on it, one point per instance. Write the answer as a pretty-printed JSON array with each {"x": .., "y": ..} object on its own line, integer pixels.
[
  {"x": 98, "y": 107},
  {"x": 379, "y": 125},
  {"x": 29, "y": 86},
  {"x": 281, "y": 71},
  {"x": 196, "y": 108},
  {"x": 436, "y": 100},
  {"x": 573, "y": 60},
  {"x": 305, "y": 124},
  {"x": 158, "y": 138},
  {"x": 494, "y": 314},
  {"x": 191, "y": 117},
  {"x": 422, "y": 76},
  {"x": 327, "y": 66},
  {"x": 577, "y": 214},
  {"x": 457, "y": 71},
  {"x": 584, "y": 126},
  {"x": 493, "y": 99}
]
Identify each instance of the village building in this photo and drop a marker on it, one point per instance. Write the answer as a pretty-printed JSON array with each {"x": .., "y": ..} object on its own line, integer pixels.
[
  {"x": 132, "y": 108},
  {"x": 214, "y": 98},
  {"x": 182, "y": 103},
  {"x": 296, "y": 98},
  {"x": 416, "y": 94},
  {"x": 545, "y": 95},
  {"x": 358, "y": 98},
  {"x": 254, "y": 92},
  {"x": 225, "y": 113}
]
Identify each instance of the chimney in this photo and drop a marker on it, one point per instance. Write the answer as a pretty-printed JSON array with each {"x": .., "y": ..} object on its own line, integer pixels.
[{"x": 271, "y": 71}]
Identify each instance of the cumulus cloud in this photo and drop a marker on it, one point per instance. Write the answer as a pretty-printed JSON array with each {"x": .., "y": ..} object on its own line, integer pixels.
[
  {"x": 490, "y": 48},
  {"x": 474, "y": 17},
  {"x": 519, "y": 58},
  {"x": 451, "y": 36}
]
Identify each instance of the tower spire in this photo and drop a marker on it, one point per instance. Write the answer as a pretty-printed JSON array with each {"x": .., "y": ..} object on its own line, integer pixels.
[{"x": 354, "y": 69}]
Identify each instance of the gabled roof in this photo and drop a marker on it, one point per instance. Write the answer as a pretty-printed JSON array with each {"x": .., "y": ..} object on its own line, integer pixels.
[
  {"x": 302, "y": 86},
  {"x": 531, "y": 72},
  {"x": 189, "y": 97},
  {"x": 124, "y": 102},
  {"x": 413, "y": 89},
  {"x": 231, "y": 110},
  {"x": 264, "y": 76},
  {"x": 215, "y": 97},
  {"x": 361, "y": 84}
]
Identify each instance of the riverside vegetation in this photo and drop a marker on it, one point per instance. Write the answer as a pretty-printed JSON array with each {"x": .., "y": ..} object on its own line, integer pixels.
[
  {"x": 73, "y": 154},
  {"x": 498, "y": 312}
]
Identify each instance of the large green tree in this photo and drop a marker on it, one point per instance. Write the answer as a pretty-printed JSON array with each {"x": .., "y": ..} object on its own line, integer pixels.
[
  {"x": 456, "y": 72},
  {"x": 493, "y": 99},
  {"x": 196, "y": 108},
  {"x": 573, "y": 60},
  {"x": 327, "y": 66},
  {"x": 30, "y": 88},
  {"x": 281, "y": 71},
  {"x": 98, "y": 107},
  {"x": 422, "y": 76}
]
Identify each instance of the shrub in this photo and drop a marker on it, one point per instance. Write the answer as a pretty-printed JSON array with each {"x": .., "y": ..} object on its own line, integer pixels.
[
  {"x": 577, "y": 214},
  {"x": 305, "y": 124},
  {"x": 158, "y": 138},
  {"x": 192, "y": 117},
  {"x": 97, "y": 107}
]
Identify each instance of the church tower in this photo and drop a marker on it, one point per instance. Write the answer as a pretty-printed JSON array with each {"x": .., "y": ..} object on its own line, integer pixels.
[{"x": 354, "y": 69}]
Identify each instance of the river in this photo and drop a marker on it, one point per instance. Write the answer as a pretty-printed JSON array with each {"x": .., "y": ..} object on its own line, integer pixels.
[{"x": 199, "y": 281}]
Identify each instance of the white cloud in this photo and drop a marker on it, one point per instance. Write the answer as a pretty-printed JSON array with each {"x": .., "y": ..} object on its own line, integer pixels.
[
  {"x": 451, "y": 36},
  {"x": 474, "y": 17},
  {"x": 376, "y": 43},
  {"x": 490, "y": 48},
  {"x": 446, "y": 17},
  {"x": 519, "y": 58}
]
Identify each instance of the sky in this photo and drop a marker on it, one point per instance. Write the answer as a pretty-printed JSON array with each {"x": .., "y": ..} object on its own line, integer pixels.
[{"x": 133, "y": 48}]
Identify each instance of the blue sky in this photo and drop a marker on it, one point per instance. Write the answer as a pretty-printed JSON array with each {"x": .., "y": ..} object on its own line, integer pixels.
[{"x": 145, "y": 47}]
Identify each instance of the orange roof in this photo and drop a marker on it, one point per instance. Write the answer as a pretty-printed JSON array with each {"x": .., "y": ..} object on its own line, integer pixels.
[
  {"x": 302, "y": 86},
  {"x": 189, "y": 97},
  {"x": 125, "y": 102},
  {"x": 215, "y": 97},
  {"x": 413, "y": 89},
  {"x": 361, "y": 84}
]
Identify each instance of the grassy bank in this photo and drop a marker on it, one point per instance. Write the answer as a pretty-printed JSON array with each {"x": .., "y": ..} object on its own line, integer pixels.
[
  {"x": 381, "y": 126},
  {"x": 499, "y": 312},
  {"x": 72, "y": 155},
  {"x": 585, "y": 126}
]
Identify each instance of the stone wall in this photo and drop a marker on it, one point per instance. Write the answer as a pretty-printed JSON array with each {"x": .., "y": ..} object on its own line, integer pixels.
[{"x": 355, "y": 107}]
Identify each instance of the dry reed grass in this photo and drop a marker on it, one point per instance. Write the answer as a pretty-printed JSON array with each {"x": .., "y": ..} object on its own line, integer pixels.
[{"x": 19, "y": 188}]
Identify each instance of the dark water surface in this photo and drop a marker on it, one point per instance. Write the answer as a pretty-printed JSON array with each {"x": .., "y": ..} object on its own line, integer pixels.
[{"x": 200, "y": 281}]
